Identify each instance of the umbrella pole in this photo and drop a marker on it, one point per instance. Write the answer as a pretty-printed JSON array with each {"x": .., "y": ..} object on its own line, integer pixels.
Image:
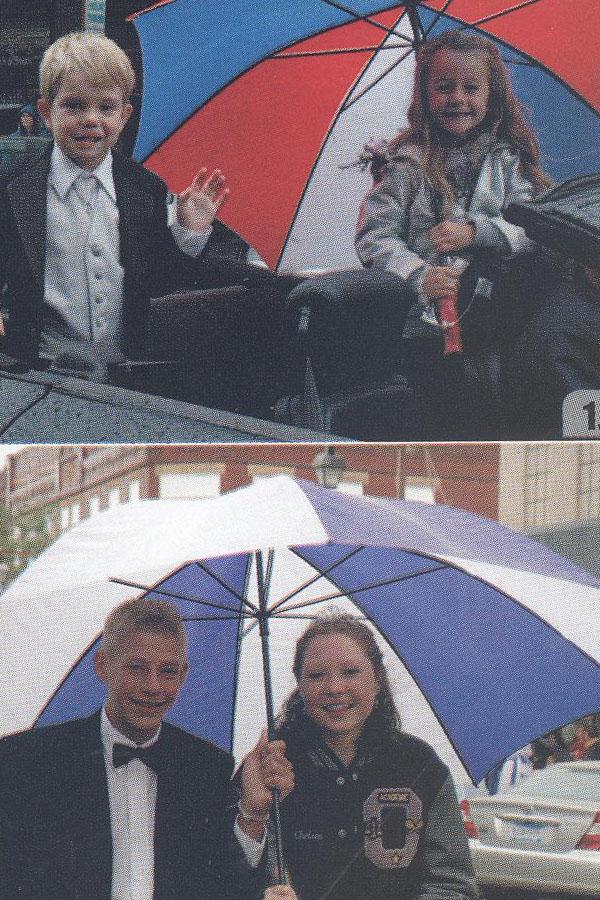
[
  {"x": 415, "y": 21},
  {"x": 263, "y": 626}
]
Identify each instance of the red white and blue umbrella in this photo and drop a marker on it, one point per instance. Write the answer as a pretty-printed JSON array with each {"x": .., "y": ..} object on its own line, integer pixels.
[
  {"x": 280, "y": 95},
  {"x": 491, "y": 639}
]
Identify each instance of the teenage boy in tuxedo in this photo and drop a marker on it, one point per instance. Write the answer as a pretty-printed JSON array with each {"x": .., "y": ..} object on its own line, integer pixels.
[{"x": 122, "y": 805}]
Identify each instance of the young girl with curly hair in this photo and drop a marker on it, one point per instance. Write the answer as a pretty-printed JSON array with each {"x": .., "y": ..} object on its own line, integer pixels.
[{"x": 436, "y": 209}]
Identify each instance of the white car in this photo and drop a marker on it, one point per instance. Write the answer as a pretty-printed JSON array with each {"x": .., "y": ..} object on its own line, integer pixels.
[{"x": 541, "y": 835}]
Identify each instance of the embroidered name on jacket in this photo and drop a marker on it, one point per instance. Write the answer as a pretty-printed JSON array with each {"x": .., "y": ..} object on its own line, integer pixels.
[{"x": 393, "y": 821}]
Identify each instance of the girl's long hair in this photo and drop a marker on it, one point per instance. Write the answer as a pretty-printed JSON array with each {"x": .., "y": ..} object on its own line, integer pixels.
[
  {"x": 505, "y": 116},
  {"x": 384, "y": 719}
]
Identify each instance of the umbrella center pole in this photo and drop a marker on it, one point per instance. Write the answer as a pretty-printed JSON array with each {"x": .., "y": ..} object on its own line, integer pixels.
[
  {"x": 263, "y": 627},
  {"x": 415, "y": 23}
]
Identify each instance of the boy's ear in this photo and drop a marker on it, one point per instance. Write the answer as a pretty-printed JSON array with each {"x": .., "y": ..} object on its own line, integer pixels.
[
  {"x": 127, "y": 110},
  {"x": 44, "y": 109}
]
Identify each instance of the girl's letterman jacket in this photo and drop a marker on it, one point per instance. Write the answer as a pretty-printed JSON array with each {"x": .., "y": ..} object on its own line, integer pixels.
[{"x": 388, "y": 827}]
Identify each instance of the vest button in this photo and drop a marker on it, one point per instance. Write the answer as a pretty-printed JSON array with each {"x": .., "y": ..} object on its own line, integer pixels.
[
  {"x": 340, "y": 780},
  {"x": 342, "y": 833}
]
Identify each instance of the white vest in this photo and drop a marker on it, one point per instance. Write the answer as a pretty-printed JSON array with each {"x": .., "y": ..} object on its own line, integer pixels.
[{"x": 83, "y": 295}]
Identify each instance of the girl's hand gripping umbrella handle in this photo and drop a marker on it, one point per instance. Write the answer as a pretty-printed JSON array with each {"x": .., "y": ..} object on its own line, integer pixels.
[{"x": 446, "y": 309}]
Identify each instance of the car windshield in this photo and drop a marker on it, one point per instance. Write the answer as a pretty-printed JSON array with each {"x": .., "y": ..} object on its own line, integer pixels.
[{"x": 562, "y": 782}]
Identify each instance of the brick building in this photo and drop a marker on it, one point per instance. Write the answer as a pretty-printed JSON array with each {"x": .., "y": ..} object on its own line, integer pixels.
[
  {"x": 27, "y": 27},
  {"x": 529, "y": 487}
]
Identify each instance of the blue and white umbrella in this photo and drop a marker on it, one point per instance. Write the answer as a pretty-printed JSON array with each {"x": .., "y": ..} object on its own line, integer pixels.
[{"x": 491, "y": 638}]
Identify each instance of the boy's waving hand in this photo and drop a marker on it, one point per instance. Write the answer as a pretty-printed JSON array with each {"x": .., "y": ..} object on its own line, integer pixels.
[{"x": 198, "y": 204}]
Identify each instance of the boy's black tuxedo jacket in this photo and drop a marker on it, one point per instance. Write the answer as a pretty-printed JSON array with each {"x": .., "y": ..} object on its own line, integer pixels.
[
  {"x": 152, "y": 262},
  {"x": 55, "y": 832}
]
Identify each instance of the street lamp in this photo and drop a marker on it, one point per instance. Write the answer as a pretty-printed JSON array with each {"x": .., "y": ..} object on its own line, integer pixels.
[{"x": 329, "y": 467}]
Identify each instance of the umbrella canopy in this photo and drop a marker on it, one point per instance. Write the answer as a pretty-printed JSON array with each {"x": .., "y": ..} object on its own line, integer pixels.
[
  {"x": 281, "y": 96},
  {"x": 495, "y": 636}
]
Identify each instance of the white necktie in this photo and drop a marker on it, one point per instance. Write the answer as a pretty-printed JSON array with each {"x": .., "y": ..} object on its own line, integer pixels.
[{"x": 86, "y": 188}]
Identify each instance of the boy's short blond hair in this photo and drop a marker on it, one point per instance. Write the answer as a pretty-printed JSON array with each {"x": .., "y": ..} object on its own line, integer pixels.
[
  {"x": 94, "y": 55},
  {"x": 146, "y": 615}
]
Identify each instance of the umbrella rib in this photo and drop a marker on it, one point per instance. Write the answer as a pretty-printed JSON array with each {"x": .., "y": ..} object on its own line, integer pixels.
[
  {"x": 368, "y": 587},
  {"x": 237, "y": 618},
  {"x": 504, "y": 12},
  {"x": 437, "y": 17},
  {"x": 339, "y": 50},
  {"x": 315, "y": 578},
  {"x": 477, "y": 22},
  {"x": 173, "y": 594},
  {"x": 366, "y": 18},
  {"x": 521, "y": 62},
  {"x": 483, "y": 20},
  {"x": 227, "y": 586},
  {"x": 312, "y": 602},
  {"x": 379, "y": 78},
  {"x": 281, "y": 616},
  {"x": 269, "y": 574},
  {"x": 249, "y": 628}
]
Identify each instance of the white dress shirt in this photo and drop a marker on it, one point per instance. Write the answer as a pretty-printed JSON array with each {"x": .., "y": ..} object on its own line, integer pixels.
[
  {"x": 132, "y": 799},
  {"x": 83, "y": 276}
]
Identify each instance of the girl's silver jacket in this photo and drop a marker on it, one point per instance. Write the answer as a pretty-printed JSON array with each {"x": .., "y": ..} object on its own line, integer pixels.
[{"x": 400, "y": 208}]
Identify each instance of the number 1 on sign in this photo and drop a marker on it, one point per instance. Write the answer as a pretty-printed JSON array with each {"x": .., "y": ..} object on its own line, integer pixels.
[
  {"x": 581, "y": 414},
  {"x": 590, "y": 409}
]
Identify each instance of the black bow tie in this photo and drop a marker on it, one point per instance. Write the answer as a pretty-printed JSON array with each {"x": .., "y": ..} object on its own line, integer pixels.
[{"x": 122, "y": 754}]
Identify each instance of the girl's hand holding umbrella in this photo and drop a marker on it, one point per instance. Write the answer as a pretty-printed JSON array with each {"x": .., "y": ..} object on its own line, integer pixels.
[
  {"x": 451, "y": 237},
  {"x": 440, "y": 283},
  {"x": 264, "y": 770}
]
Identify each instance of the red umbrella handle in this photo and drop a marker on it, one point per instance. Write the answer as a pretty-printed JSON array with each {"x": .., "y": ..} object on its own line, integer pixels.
[{"x": 446, "y": 309}]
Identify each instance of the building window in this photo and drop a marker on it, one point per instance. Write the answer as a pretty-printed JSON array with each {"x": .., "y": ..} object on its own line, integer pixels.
[
  {"x": 425, "y": 493},
  {"x": 351, "y": 487},
  {"x": 94, "y": 506},
  {"x": 64, "y": 518},
  {"x": 588, "y": 482},
  {"x": 133, "y": 491},
  {"x": 75, "y": 513},
  {"x": 536, "y": 485},
  {"x": 257, "y": 477},
  {"x": 114, "y": 498},
  {"x": 189, "y": 484}
]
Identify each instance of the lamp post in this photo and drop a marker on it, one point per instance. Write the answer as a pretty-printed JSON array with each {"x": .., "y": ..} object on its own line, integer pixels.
[
  {"x": 94, "y": 17},
  {"x": 329, "y": 467}
]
